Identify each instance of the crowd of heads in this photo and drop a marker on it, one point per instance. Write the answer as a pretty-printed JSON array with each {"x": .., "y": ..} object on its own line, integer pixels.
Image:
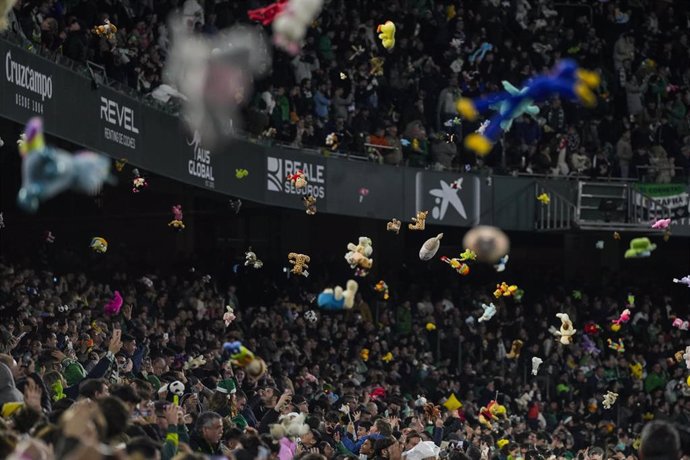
[{"x": 398, "y": 106}]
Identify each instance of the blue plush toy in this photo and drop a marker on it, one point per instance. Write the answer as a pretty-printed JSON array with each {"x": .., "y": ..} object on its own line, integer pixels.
[
  {"x": 338, "y": 299},
  {"x": 47, "y": 171},
  {"x": 566, "y": 80}
]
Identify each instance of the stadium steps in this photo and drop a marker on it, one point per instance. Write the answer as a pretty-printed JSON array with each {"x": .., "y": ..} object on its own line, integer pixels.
[{"x": 558, "y": 215}]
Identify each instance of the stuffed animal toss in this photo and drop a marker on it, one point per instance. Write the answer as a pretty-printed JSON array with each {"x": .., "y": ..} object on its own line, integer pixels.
[
  {"x": 229, "y": 315},
  {"x": 609, "y": 399},
  {"x": 291, "y": 23},
  {"x": 640, "y": 247},
  {"x": 566, "y": 80},
  {"x": 139, "y": 182},
  {"x": 515, "y": 349},
  {"x": 338, "y": 299},
  {"x": 98, "y": 244},
  {"x": 393, "y": 226},
  {"x": 250, "y": 260},
  {"x": 300, "y": 263},
  {"x": 48, "y": 171},
  {"x": 457, "y": 265},
  {"x": 616, "y": 346},
  {"x": 684, "y": 280},
  {"x": 309, "y": 204},
  {"x": 566, "y": 332},
  {"x": 358, "y": 256},
  {"x": 661, "y": 224},
  {"x": 430, "y": 247},
  {"x": 536, "y": 362},
  {"x": 419, "y": 221},
  {"x": 680, "y": 324},
  {"x": 468, "y": 255},
  {"x": 113, "y": 307},
  {"x": 241, "y": 356},
  {"x": 382, "y": 287},
  {"x": 194, "y": 363},
  {"x": 107, "y": 30},
  {"x": 489, "y": 312},
  {"x": 503, "y": 290},
  {"x": 291, "y": 426},
  {"x": 491, "y": 412},
  {"x": 386, "y": 33},
  {"x": 544, "y": 198},
  {"x": 624, "y": 318},
  {"x": 298, "y": 179},
  {"x": 177, "y": 223}
]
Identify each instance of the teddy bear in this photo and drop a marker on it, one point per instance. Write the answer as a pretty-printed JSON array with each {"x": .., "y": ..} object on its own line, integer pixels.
[
  {"x": 338, "y": 298},
  {"x": 566, "y": 332},
  {"x": 298, "y": 179},
  {"x": 609, "y": 399},
  {"x": 310, "y": 203},
  {"x": 107, "y": 30},
  {"x": 194, "y": 363},
  {"x": 393, "y": 226},
  {"x": 291, "y": 425},
  {"x": 358, "y": 256},
  {"x": 419, "y": 221},
  {"x": 300, "y": 262},
  {"x": 251, "y": 260},
  {"x": 515, "y": 349}
]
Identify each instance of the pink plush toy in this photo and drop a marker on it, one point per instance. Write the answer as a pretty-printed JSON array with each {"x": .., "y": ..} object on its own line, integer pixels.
[
  {"x": 113, "y": 307},
  {"x": 661, "y": 224},
  {"x": 624, "y": 318}
]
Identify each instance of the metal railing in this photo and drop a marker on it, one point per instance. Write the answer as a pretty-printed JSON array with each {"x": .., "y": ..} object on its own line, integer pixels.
[
  {"x": 559, "y": 214},
  {"x": 643, "y": 209}
]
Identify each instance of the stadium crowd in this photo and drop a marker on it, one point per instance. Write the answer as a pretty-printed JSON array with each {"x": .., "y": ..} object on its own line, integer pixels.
[
  {"x": 76, "y": 383},
  {"x": 397, "y": 107}
]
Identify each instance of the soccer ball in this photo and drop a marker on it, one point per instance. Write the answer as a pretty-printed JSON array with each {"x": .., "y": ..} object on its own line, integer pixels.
[
  {"x": 176, "y": 388},
  {"x": 311, "y": 316}
]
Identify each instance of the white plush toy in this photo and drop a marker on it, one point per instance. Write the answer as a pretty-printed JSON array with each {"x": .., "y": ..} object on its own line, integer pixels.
[
  {"x": 609, "y": 399},
  {"x": 291, "y": 426},
  {"x": 567, "y": 332},
  {"x": 290, "y": 26},
  {"x": 338, "y": 299},
  {"x": 358, "y": 256},
  {"x": 536, "y": 362},
  {"x": 489, "y": 312}
]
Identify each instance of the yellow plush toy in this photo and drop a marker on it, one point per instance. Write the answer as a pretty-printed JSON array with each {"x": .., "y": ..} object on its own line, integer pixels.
[
  {"x": 387, "y": 34},
  {"x": 492, "y": 411}
]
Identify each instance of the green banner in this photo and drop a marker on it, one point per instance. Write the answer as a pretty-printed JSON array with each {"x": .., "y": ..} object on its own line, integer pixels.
[{"x": 660, "y": 190}]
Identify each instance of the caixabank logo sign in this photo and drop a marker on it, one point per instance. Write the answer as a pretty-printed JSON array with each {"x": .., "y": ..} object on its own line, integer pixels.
[
  {"x": 33, "y": 88},
  {"x": 278, "y": 169}
]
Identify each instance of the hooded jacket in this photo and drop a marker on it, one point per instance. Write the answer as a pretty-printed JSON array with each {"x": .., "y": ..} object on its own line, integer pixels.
[{"x": 8, "y": 390}]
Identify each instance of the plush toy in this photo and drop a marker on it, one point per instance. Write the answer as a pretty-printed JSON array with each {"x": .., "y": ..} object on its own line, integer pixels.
[
  {"x": 567, "y": 331},
  {"x": 382, "y": 287},
  {"x": 431, "y": 411},
  {"x": 661, "y": 224},
  {"x": 358, "y": 256},
  {"x": 107, "y": 30},
  {"x": 640, "y": 247},
  {"x": 386, "y": 33},
  {"x": 624, "y": 317},
  {"x": 616, "y": 236},
  {"x": 675, "y": 359},
  {"x": 120, "y": 164},
  {"x": 290, "y": 25},
  {"x": 501, "y": 265},
  {"x": 364, "y": 354},
  {"x": 47, "y": 171},
  {"x": 544, "y": 198},
  {"x": 332, "y": 142},
  {"x": 194, "y": 363},
  {"x": 311, "y": 316},
  {"x": 300, "y": 262},
  {"x": 636, "y": 370},
  {"x": 298, "y": 179},
  {"x": 266, "y": 15},
  {"x": 241, "y": 173},
  {"x": 686, "y": 357},
  {"x": 393, "y": 226},
  {"x": 236, "y": 205},
  {"x": 430, "y": 327},
  {"x": 589, "y": 347},
  {"x": 177, "y": 223},
  {"x": 616, "y": 346},
  {"x": 376, "y": 66},
  {"x": 98, "y": 244},
  {"x": 229, "y": 315},
  {"x": 515, "y": 349},
  {"x": 680, "y": 324},
  {"x": 489, "y": 312},
  {"x": 291, "y": 426},
  {"x": 310, "y": 204},
  {"x": 419, "y": 221},
  {"x": 387, "y": 358},
  {"x": 250, "y": 259},
  {"x": 503, "y": 290},
  {"x": 592, "y": 328},
  {"x": 338, "y": 299},
  {"x": 113, "y": 306},
  {"x": 48, "y": 237},
  {"x": 491, "y": 412},
  {"x": 536, "y": 362},
  {"x": 468, "y": 255},
  {"x": 139, "y": 182},
  {"x": 430, "y": 247},
  {"x": 609, "y": 399},
  {"x": 566, "y": 80},
  {"x": 241, "y": 356},
  {"x": 684, "y": 280},
  {"x": 457, "y": 265}
]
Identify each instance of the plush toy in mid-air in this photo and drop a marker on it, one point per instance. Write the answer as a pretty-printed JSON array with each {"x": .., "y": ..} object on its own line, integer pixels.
[
  {"x": 291, "y": 426},
  {"x": 501, "y": 265},
  {"x": 536, "y": 362},
  {"x": 177, "y": 223},
  {"x": 504, "y": 290},
  {"x": 489, "y": 312},
  {"x": 490, "y": 413},
  {"x": 338, "y": 298},
  {"x": 98, "y": 244},
  {"x": 430, "y": 247},
  {"x": 566, "y": 80},
  {"x": 489, "y": 243},
  {"x": 107, "y": 30},
  {"x": 298, "y": 179},
  {"x": 616, "y": 346},
  {"x": 48, "y": 171},
  {"x": 567, "y": 331},
  {"x": 251, "y": 260},
  {"x": 229, "y": 315},
  {"x": 393, "y": 226},
  {"x": 609, "y": 399},
  {"x": 680, "y": 324},
  {"x": 640, "y": 247},
  {"x": 114, "y": 305},
  {"x": 309, "y": 204},
  {"x": 544, "y": 198},
  {"x": 515, "y": 349},
  {"x": 684, "y": 280},
  {"x": 382, "y": 288},
  {"x": 419, "y": 221},
  {"x": 468, "y": 255},
  {"x": 457, "y": 265},
  {"x": 300, "y": 263},
  {"x": 241, "y": 356},
  {"x": 194, "y": 362},
  {"x": 624, "y": 317},
  {"x": 661, "y": 224},
  {"x": 358, "y": 256},
  {"x": 139, "y": 182},
  {"x": 291, "y": 24},
  {"x": 589, "y": 347},
  {"x": 386, "y": 33}
]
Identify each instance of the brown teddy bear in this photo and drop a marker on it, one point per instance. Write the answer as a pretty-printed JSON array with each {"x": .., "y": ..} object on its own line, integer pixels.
[
  {"x": 310, "y": 204},
  {"x": 393, "y": 226},
  {"x": 515, "y": 349},
  {"x": 300, "y": 262},
  {"x": 419, "y": 221}
]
